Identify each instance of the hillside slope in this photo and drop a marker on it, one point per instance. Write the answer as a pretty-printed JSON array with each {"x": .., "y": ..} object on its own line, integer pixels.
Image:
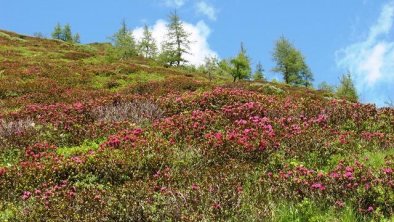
[
  {"x": 86, "y": 139},
  {"x": 33, "y": 68}
]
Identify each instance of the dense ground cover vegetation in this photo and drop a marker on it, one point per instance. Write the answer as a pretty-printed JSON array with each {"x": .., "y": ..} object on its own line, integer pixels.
[{"x": 82, "y": 139}]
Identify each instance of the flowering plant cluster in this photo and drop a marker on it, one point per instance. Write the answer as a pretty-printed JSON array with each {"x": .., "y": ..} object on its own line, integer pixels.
[{"x": 222, "y": 154}]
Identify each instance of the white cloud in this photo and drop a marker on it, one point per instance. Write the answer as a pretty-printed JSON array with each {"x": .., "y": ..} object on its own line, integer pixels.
[
  {"x": 199, "y": 33},
  {"x": 174, "y": 3},
  {"x": 206, "y": 9},
  {"x": 371, "y": 61}
]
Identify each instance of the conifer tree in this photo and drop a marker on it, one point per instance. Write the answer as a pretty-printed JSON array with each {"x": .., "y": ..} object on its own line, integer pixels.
[
  {"x": 211, "y": 66},
  {"x": 77, "y": 38},
  {"x": 389, "y": 103},
  {"x": 177, "y": 43},
  {"x": 346, "y": 89},
  {"x": 291, "y": 63},
  {"x": 238, "y": 67},
  {"x": 57, "y": 32},
  {"x": 67, "y": 34},
  {"x": 306, "y": 76},
  {"x": 241, "y": 65},
  {"x": 39, "y": 35},
  {"x": 124, "y": 43},
  {"x": 324, "y": 86},
  {"x": 259, "y": 73},
  {"x": 147, "y": 45}
]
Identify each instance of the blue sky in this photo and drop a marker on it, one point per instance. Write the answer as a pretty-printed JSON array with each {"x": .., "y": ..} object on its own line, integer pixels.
[{"x": 334, "y": 35}]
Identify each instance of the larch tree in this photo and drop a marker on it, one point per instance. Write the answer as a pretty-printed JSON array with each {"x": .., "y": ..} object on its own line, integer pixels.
[
  {"x": 306, "y": 76},
  {"x": 259, "y": 73},
  {"x": 39, "y": 35},
  {"x": 389, "y": 103},
  {"x": 346, "y": 89},
  {"x": 325, "y": 86},
  {"x": 211, "y": 66},
  {"x": 147, "y": 45},
  {"x": 238, "y": 67},
  {"x": 177, "y": 43},
  {"x": 57, "y": 32},
  {"x": 67, "y": 34},
  {"x": 124, "y": 43},
  {"x": 77, "y": 38},
  {"x": 291, "y": 64}
]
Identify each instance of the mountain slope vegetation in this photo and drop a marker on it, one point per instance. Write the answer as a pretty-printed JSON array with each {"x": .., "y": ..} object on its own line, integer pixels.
[{"x": 84, "y": 137}]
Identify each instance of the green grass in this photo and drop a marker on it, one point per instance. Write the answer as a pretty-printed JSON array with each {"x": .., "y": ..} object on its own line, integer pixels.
[
  {"x": 81, "y": 149},
  {"x": 376, "y": 159},
  {"x": 7, "y": 214},
  {"x": 99, "y": 81},
  {"x": 145, "y": 77},
  {"x": 310, "y": 211},
  {"x": 122, "y": 80},
  {"x": 95, "y": 60},
  {"x": 9, "y": 157}
]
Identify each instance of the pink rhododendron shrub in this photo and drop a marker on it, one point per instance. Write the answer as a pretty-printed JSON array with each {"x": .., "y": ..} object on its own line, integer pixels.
[
  {"x": 222, "y": 153},
  {"x": 355, "y": 183}
]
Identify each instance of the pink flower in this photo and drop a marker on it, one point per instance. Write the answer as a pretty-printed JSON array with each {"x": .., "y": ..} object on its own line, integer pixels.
[
  {"x": 2, "y": 171},
  {"x": 77, "y": 160},
  {"x": 157, "y": 174},
  {"x": 218, "y": 136},
  {"x": 340, "y": 203},
  {"x": 26, "y": 195},
  {"x": 321, "y": 118},
  {"x": 71, "y": 194},
  {"x": 231, "y": 136},
  {"x": 195, "y": 186},
  {"x": 349, "y": 169},
  {"x": 241, "y": 122},
  {"x": 334, "y": 175},
  {"x": 163, "y": 189},
  {"x": 349, "y": 175},
  {"x": 247, "y": 131},
  {"x": 388, "y": 171},
  {"x": 370, "y": 209},
  {"x": 137, "y": 131},
  {"x": 342, "y": 139},
  {"x": 114, "y": 141},
  {"x": 296, "y": 129},
  {"x": 262, "y": 145},
  {"x": 78, "y": 106},
  {"x": 195, "y": 125},
  {"x": 318, "y": 186},
  {"x": 217, "y": 206}
]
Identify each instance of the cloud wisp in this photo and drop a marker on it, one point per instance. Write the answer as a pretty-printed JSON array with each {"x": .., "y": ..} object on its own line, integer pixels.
[
  {"x": 201, "y": 7},
  {"x": 199, "y": 33},
  {"x": 206, "y": 9},
  {"x": 371, "y": 61},
  {"x": 174, "y": 3}
]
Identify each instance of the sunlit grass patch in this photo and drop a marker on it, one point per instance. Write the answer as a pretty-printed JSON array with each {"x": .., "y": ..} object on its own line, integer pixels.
[
  {"x": 377, "y": 159},
  {"x": 145, "y": 77},
  {"x": 81, "y": 149}
]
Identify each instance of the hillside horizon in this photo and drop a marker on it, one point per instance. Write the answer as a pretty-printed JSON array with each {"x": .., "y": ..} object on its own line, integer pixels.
[{"x": 333, "y": 40}]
